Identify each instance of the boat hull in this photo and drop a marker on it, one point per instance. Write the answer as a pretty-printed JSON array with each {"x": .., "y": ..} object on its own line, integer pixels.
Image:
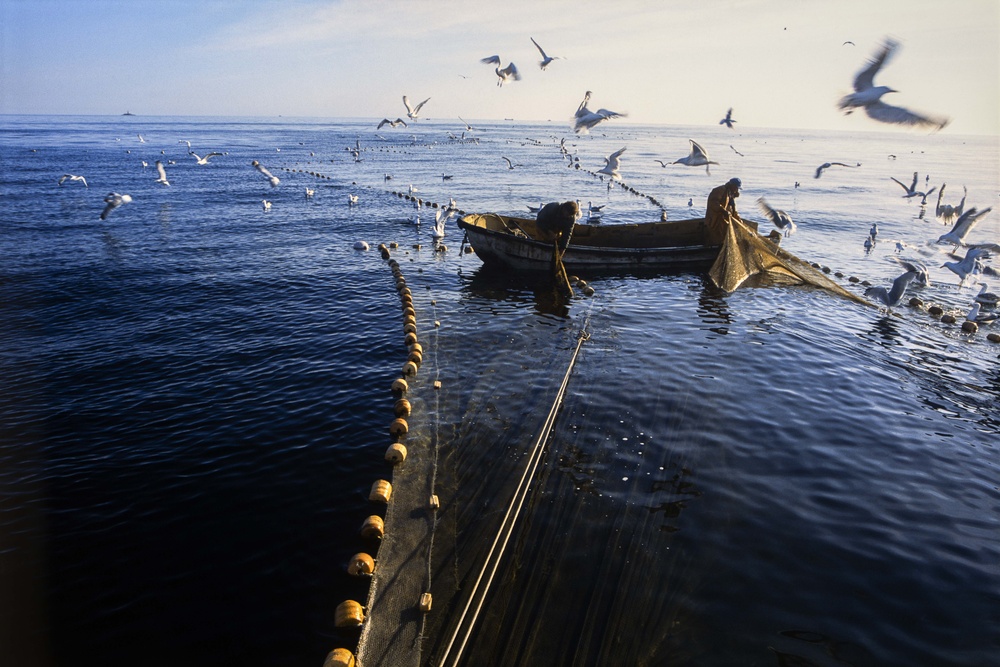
[{"x": 635, "y": 247}]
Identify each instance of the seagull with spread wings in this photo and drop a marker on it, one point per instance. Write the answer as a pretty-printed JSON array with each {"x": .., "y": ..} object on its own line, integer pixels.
[
  {"x": 868, "y": 96},
  {"x": 508, "y": 73},
  {"x": 585, "y": 119},
  {"x": 696, "y": 158},
  {"x": 546, "y": 59},
  {"x": 413, "y": 111},
  {"x": 612, "y": 164}
]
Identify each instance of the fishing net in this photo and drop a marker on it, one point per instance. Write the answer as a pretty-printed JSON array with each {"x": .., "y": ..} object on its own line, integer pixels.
[{"x": 749, "y": 259}]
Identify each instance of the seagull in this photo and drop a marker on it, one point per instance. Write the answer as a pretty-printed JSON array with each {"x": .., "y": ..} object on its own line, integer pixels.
[
  {"x": 585, "y": 120},
  {"x": 612, "y": 164},
  {"x": 113, "y": 201},
  {"x": 545, "y": 58},
  {"x": 72, "y": 177},
  {"x": 736, "y": 151},
  {"x": 162, "y": 172},
  {"x": 946, "y": 212},
  {"x": 981, "y": 318},
  {"x": 309, "y": 192},
  {"x": 510, "y": 165},
  {"x": 873, "y": 232},
  {"x": 894, "y": 294},
  {"x": 505, "y": 74},
  {"x": 392, "y": 123},
  {"x": 266, "y": 204},
  {"x": 728, "y": 120},
  {"x": 441, "y": 217},
  {"x": 141, "y": 140},
  {"x": 534, "y": 209},
  {"x": 202, "y": 160},
  {"x": 352, "y": 200},
  {"x": 969, "y": 265},
  {"x": 922, "y": 276},
  {"x": 779, "y": 218},
  {"x": 262, "y": 169},
  {"x": 867, "y": 95},
  {"x": 827, "y": 165},
  {"x": 411, "y": 112},
  {"x": 697, "y": 157},
  {"x": 911, "y": 189},
  {"x": 963, "y": 226},
  {"x": 988, "y": 299}
]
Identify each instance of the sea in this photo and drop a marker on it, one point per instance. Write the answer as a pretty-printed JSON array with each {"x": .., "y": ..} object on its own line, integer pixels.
[{"x": 195, "y": 392}]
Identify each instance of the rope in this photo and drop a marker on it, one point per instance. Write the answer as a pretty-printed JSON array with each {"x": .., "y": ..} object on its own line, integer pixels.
[{"x": 499, "y": 545}]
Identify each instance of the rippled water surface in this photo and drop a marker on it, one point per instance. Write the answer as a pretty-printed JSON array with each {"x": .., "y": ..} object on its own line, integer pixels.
[{"x": 194, "y": 398}]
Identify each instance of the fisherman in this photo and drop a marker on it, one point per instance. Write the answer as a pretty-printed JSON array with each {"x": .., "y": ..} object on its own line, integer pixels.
[
  {"x": 555, "y": 224},
  {"x": 721, "y": 210}
]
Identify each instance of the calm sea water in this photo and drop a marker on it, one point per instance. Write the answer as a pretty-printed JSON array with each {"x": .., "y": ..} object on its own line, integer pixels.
[{"x": 194, "y": 395}]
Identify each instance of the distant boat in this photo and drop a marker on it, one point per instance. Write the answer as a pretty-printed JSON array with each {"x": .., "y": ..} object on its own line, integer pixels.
[{"x": 128, "y": 113}]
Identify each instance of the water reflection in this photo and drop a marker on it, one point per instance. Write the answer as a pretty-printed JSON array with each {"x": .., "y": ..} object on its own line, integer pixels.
[
  {"x": 713, "y": 308},
  {"x": 498, "y": 284}
]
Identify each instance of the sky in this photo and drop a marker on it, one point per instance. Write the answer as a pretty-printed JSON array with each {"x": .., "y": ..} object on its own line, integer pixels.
[{"x": 777, "y": 63}]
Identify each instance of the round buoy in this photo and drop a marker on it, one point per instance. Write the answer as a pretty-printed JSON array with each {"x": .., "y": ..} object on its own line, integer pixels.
[
  {"x": 408, "y": 310},
  {"x": 396, "y": 453},
  {"x": 410, "y": 328},
  {"x": 393, "y": 245},
  {"x": 916, "y": 303},
  {"x": 411, "y": 320},
  {"x": 381, "y": 492},
  {"x": 340, "y": 657},
  {"x": 574, "y": 279},
  {"x": 373, "y": 528},
  {"x": 936, "y": 311},
  {"x": 839, "y": 274},
  {"x": 969, "y": 326},
  {"x": 948, "y": 318},
  {"x": 405, "y": 292},
  {"x": 468, "y": 249},
  {"x": 993, "y": 337},
  {"x": 402, "y": 408},
  {"x": 399, "y": 386},
  {"x": 417, "y": 347},
  {"x": 415, "y": 358},
  {"x": 349, "y": 614},
  {"x": 440, "y": 247},
  {"x": 398, "y": 427},
  {"x": 854, "y": 279},
  {"x": 385, "y": 252},
  {"x": 406, "y": 299},
  {"x": 411, "y": 338},
  {"x": 361, "y": 565},
  {"x": 410, "y": 368},
  {"x": 588, "y": 290}
]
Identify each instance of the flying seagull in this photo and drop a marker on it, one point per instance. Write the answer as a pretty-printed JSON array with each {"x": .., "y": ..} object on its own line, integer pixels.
[
  {"x": 697, "y": 157},
  {"x": 162, "y": 173},
  {"x": 545, "y": 58},
  {"x": 947, "y": 213},
  {"x": 868, "y": 96},
  {"x": 202, "y": 160},
  {"x": 827, "y": 165},
  {"x": 894, "y": 294},
  {"x": 612, "y": 164},
  {"x": 72, "y": 177},
  {"x": 510, "y": 165},
  {"x": 113, "y": 201},
  {"x": 262, "y": 169},
  {"x": 778, "y": 218},
  {"x": 728, "y": 120},
  {"x": 911, "y": 189},
  {"x": 411, "y": 111},
  {"x": 967, "y": 266},
  {"x": 922, "y": 276},
  {"x": 585, "y": 120},
  {"x": 505, "y": 74},
  {"x": 963, "y": 226},
  {"x": 392, "y": 123}
]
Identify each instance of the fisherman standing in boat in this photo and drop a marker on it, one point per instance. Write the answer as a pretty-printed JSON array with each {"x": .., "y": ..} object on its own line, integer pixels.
[
  {"x": 555, "y": 224},
  {"x": 721, "y": 210}
]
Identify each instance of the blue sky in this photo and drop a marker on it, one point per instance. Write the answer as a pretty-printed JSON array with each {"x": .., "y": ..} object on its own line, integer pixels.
[{"x": 778, "y": 63}]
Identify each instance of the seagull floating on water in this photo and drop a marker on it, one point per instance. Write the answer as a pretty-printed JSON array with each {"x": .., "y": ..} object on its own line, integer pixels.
[
  {"x": 585, "y": 120},
  {"x": 868, "y": 96},
  {"x": 262, "y": 169},
  {"x": 72, "y": 177},
  {"x": 728, "y": 120},
  {"x": 778, "y": 218},
  {"x": 697, "y": 157},
  {"x": 545, "y": 58},
  {"x": 963, "y": 226},
  {"x": 266, "y": 204},
  {"x": 612, "y": 164},
  {"x": 894, "y": 294},
  {"x": 988, "y": 299},
  {"x": 113, "y": 201},
  {"x": 826, "y": 165},
  {"x": 505, "y": 74},
  {"x": 412, "y": 111}
]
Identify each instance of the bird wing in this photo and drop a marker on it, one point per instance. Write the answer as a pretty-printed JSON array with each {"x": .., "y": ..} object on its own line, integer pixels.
[
  {"x": 161, "y": 171},
  {"x": 769, "y": 212},
  {"x": 384, "y": 121},
  {"x": 492, "y": 60},
  {"x": 887, "y": 113},
  {"x": 406, "y": 103},
  {"x": 538, "y": 47},
  {"x": 84, "y": 181},
  {"x": 901, "y": 184},
  {"x": 615, "y": 159},
  {"x": 966, "y": 222},
  {"x": 819, "y": 170},
  {"x": 507, "y": 160},
  {"x": 662, "y": 163},
  {"x": 511, "y": 72},
  {"x": 865, "y": 79},
  {"x": 899, "y": 286},
  {"x": 696, "y": 149},
  {"x": 419, "y": 106},
  {"x": 63, "y": 178}
]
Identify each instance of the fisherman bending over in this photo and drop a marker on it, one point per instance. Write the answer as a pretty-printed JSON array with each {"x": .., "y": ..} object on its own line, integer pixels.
[
  {"x": 721, "y": 210},
  {"x": 555, "y": 224}
]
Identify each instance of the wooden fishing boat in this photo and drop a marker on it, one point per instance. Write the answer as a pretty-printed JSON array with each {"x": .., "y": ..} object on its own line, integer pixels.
[{"x": 516, "y": 243}]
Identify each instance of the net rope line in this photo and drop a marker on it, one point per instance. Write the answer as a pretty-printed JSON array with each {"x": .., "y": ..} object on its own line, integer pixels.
[{"x": 507, "y": 526}]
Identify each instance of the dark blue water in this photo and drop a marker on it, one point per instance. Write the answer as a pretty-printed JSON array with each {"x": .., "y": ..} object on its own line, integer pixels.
[{"x": 194, "y": 393}]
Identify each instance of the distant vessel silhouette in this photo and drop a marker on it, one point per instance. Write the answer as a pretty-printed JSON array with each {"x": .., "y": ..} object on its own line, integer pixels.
[{"x": 128, "y": 113}]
